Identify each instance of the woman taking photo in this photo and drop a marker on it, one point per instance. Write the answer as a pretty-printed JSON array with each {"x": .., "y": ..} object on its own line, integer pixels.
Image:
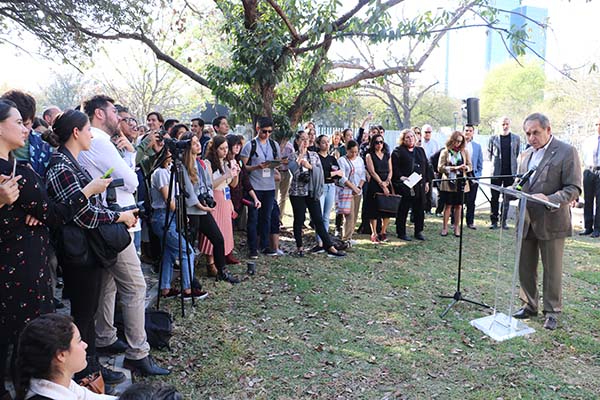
[
  {"x": 348, "y": 196},
  {"x": 454, "y": 163},
  {"x": 331, "y": 174},
  {"x": 305, "y": 191},
  {"x": 199, "y": 185},
  {"x": 407, "y": 159},
  {"x": 50, "y": 352},
  {"x": 224, "y": 175},
  {"x": 82, "y": 277},
  {"x": 379, "y": 167},
  {"x": 337, "y": 148},
  {"x": 159, "y": 193}
]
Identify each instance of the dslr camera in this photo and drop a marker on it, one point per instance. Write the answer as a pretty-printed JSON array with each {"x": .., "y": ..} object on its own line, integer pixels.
[{"x": 207, "y": 200}]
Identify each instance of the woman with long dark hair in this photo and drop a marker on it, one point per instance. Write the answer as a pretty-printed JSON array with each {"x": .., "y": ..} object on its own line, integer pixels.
[
  {"x": 379, "y": 167},
  {"x": 64, "y": 177},
  {"x": 225, "y": 173},
  {"x": 454, "y": 163},
  {"x": 199, "y": 186},
  {"x": 407, "y": 158},
  {"x": 50, "y": 352},
  {"x": 24, "y": 276},
  {"x": 305, "y": 191}
]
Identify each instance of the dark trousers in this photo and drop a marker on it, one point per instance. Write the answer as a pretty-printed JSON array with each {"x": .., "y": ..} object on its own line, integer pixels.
[
  {"x": 83, "y": 282},
  {"x": 470, "y": 198},
  {"x": 206, "y": 225},
  {"x": 591, "y": 193},
  {"x": 259, "y": 221},
  {"x": 3, "y": 361},
  {"x": 299, "y": 206},
  {"x": 495, "y": 201},
  {"x": 418, "y": 214}
]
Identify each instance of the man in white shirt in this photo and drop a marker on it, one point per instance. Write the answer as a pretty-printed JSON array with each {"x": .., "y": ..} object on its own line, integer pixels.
[
  {"x": 429, "y": 145},
  {"x": 126, "y": 275}
]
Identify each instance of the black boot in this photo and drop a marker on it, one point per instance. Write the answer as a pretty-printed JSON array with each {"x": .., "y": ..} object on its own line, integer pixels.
[
  {"x": 146, "y": 366},
  {"x": 226, "y": 276}
]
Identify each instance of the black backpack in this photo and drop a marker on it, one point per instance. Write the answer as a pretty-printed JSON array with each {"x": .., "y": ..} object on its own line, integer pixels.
[
  {"x": 159, "y": 328},
  {"x": 254, "y": 153}
]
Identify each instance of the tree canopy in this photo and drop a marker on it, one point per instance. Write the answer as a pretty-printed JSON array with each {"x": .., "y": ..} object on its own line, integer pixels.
[{"x": 273, "y": 56}]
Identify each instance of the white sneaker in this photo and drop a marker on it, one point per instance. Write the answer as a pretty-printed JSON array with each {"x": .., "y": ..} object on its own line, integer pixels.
[
  {"x": 280, "y": 252},
  {"x": 352, "y": 242}
]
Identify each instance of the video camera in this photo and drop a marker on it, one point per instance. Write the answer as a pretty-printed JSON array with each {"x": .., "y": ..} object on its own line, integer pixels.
[{"x": 176, "y": 147}]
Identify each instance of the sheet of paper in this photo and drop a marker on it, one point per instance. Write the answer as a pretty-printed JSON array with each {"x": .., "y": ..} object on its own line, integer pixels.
[{"x": 413, "y": 179}]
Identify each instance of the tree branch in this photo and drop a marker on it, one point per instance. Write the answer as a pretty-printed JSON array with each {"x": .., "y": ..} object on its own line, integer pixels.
[
  {"x": 286, "y": 21},
  {"x": 367, "y": 74}
]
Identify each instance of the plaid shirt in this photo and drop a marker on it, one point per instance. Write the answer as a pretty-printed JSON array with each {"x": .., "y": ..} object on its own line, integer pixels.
[{"x": 63, "y": 179}]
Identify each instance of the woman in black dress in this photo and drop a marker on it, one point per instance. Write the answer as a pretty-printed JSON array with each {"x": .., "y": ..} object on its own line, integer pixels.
[
  {"x": 406, "y": 159},
  {"x": 24, "y": 274},
  {"x": 379, "y": 167}
]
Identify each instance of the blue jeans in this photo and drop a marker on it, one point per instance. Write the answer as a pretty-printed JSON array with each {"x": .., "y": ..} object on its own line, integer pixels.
[
  {"x": 259, "y": 221},
  {"x": 327, "y": 201},
  {"x": 171, "y": 250}
]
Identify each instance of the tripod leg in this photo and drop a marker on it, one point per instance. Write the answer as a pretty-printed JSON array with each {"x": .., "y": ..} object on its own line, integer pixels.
[{"x": 452, "y": 303}]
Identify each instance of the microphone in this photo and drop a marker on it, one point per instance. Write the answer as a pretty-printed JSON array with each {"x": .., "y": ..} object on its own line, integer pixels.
[{"x": 525, "y": 178}]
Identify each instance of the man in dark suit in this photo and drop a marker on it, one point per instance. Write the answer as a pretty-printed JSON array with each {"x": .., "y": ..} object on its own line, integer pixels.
[
  {"x": 474, "y": 150},
  {"x": 557, "y": 178},
  {"x": 591, "y": 184}
]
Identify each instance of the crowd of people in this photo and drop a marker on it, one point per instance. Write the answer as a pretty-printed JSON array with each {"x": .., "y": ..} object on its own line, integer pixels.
[{"x": 70, "y": 175}]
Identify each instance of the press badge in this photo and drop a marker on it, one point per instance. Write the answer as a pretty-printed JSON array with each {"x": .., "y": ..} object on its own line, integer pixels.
[
  {"x": 266, "y": 172},
  {"x": 227, "y": 193}
]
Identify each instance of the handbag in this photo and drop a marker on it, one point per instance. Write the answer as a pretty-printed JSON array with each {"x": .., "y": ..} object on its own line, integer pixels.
[
  {"x": 388, "y": 203},
  {"x": 93, "y": 382},
  {"x": 107, "y": 241}
]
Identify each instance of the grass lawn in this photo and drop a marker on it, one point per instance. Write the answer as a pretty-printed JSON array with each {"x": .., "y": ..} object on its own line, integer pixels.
[{"x": 368, "y": 327}]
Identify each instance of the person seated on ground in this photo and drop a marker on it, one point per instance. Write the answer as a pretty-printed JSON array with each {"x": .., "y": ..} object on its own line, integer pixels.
[
  {"x": 198, "y": 184},
  {"x": 407, "y": 159},
  {"x": 50, "y": 352},
  {"x": 144, "y": 391},
  {"x": 305, "y": 191},
  {"x": 453, "y": 164},
  {"x": 163, "y": 207}
]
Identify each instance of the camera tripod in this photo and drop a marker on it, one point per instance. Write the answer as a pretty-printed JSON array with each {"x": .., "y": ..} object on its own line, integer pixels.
[{"x": 180, "y": 215}]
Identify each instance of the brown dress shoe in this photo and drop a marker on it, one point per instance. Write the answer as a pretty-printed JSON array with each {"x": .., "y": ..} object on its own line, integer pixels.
[{"x": 211, "y": 270}]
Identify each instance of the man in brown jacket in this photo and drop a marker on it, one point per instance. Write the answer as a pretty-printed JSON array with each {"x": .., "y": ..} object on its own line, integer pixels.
[{"x": 557, "y": 178}]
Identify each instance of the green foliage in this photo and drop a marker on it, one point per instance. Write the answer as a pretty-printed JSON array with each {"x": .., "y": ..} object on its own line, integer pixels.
[{"x": 511, "y": 90}]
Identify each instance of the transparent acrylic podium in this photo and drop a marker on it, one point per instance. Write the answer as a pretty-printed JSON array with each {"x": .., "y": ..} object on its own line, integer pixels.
[{"x": 502, "y": 326}]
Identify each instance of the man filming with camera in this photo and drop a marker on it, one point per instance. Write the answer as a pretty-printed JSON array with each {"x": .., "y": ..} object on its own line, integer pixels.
[{"x": 126, "y": 275}]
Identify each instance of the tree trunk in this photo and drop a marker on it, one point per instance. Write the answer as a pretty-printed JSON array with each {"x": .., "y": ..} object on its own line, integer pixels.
[
  {"x": 268, "y": 97},
  {"x": 405, "y": 78}
]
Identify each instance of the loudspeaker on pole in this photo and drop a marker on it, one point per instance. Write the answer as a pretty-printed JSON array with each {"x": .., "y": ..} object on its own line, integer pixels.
[{"x": 473, "y": 111}]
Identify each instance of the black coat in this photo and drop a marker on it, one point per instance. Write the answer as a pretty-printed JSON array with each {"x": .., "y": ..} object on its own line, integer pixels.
[{"x": 403, "y": 164}]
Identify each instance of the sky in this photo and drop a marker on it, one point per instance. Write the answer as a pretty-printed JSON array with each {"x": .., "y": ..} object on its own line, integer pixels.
[{"x": 573, "y": 39}]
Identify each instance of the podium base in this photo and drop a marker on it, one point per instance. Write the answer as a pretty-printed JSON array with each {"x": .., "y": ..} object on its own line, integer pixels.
[{"x": 501, "y": 327}]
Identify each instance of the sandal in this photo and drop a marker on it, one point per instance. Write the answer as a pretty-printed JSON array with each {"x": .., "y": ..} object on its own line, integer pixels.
[{"x": 444, "y": 232}]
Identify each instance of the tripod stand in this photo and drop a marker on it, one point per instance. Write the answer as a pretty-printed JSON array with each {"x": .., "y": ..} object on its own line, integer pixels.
[
  {"x": 180, "y": 215},
  {"x": 457, "y": 296}
]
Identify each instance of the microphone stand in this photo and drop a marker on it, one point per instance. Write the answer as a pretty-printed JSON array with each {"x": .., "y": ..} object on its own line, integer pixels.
[{"x": 457, "y": 296}]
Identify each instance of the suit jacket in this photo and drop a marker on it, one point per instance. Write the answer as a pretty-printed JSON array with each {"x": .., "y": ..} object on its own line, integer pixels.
[
  {"x": 558, "y": 176},
  {"x": 477, "y": 159},
  {"x": 495, "y": 153},
  {"x": 441, "y": 167}
]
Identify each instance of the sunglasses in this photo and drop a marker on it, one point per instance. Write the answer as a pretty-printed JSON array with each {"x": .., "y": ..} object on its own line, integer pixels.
[
  {"x": 266, "y": 130},
  {"x": 378, "y": 142}
]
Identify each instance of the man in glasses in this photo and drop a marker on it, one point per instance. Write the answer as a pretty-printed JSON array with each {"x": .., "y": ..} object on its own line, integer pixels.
[
  {"x": 427, "y": 142},
  {"x": 503, "y": 150},
  {"x": 257, "y": 156},
  {"x": 591, "y": 184}
]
